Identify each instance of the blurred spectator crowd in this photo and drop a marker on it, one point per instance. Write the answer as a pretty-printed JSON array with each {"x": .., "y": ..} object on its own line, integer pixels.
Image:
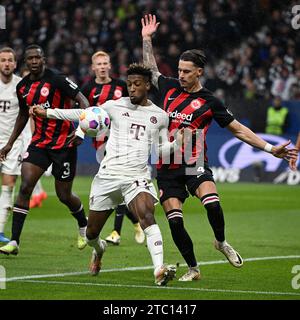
[{"x": 253, "y": 51}]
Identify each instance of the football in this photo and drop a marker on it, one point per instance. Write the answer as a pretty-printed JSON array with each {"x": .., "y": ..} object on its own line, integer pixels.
[{"x": 94, "y": 121}]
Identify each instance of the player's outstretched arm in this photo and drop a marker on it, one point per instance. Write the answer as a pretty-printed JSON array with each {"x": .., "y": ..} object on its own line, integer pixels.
[
  {"x": 149, "y": 27},
  {"x": 59, "y": 114},
  {"x": 245, "y": 134}
]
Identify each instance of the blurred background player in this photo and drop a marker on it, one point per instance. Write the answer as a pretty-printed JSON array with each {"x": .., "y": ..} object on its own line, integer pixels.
[
  {"x": 50, "y": 143},
  {"x": 98, "y": 90},
  {"x": 38, "y": 193},
  {"x": 9, "y": 109}
]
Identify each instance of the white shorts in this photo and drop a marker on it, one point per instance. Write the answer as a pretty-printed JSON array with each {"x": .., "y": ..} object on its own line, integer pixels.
[
  {"x": 109, "y": 191},
  {"x": 12, "y": 164}
]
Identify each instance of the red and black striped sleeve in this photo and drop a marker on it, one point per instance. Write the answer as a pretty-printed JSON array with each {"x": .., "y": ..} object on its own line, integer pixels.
[
  {"x": 20, "y": 92},
  {"x": 221, "y": 114},
  {"x": 66, "y": 86}
]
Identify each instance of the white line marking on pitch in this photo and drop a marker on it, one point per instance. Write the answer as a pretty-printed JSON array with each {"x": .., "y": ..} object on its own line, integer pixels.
[
  {"x": 165, "y": 288},
  {"x": 59, "y": 275}
]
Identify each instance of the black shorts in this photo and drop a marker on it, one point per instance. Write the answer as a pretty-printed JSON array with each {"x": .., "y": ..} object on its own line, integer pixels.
[
  {"x": 176, "y": 184},
  {"x": 63, "y": 161}
]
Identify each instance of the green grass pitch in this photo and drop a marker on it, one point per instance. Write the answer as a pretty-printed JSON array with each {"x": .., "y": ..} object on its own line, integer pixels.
[{"x": 262, "y": 223}]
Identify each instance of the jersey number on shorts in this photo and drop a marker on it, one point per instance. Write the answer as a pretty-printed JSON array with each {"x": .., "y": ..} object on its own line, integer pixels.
[{"x": 67, "y": 171}]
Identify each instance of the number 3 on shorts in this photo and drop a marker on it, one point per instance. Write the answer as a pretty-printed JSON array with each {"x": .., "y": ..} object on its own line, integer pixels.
[{"x": 67, "y": 171}]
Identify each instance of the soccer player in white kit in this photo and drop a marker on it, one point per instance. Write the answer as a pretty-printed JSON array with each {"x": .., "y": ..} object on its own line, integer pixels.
[
  {"x": 9, "y": 109},
  {"x": 136, "y": 124}
]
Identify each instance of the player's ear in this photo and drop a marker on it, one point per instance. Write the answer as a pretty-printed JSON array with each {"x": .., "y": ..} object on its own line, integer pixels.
[
  {"x": 148, "y": 85},
  {"x": 200, "y": 71}
]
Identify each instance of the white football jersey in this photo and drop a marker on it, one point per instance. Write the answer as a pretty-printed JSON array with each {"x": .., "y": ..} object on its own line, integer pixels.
[
  {"x": 134, "y": 129},
  {"x": 9, "y": 109}
]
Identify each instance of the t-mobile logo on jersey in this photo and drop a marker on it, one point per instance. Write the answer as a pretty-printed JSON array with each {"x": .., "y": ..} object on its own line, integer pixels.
[
  {"x": 4, "y": 105},
  {"x": 137, "y": 130}
]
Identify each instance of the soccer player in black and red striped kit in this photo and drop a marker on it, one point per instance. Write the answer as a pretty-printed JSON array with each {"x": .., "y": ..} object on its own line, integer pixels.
[
  {"x": 99, "y": 90},
  {"x": 50, "y": 142},
  {"x": 191, "y": 106}
]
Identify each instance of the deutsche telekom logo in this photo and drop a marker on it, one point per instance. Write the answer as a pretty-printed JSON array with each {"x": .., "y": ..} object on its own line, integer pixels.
[{"x": 2, "y": 18}]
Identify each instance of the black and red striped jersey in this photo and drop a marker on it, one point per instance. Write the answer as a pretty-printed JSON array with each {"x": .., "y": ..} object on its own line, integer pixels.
[
  {"x": 52, "y": 90},
  {"x": 190, "y": 110},
  {"x": 97, "y": 94}
]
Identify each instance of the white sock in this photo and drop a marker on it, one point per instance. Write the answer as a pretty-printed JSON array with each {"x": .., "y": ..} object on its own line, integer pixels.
[
  {"x": 6, "y": 203},
  {"x": 82, "y": 231},
  {"x": 96, "y": 244},
  {"x": 155, "y": 245}
]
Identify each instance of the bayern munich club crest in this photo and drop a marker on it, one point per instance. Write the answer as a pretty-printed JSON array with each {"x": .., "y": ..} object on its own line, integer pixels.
[
  {"x": 196, "y": 104},
  {"x": 118, "y": 93},
  {"x": 44, "y": 92},
  {"x": 153, "y": 119}
]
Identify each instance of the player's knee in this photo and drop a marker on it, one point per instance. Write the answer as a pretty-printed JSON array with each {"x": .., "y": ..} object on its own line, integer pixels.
[
  {"x": 146, "y": 219},
  {"x": 26, "y": 190},
  {"x": 91, "y": 233}
]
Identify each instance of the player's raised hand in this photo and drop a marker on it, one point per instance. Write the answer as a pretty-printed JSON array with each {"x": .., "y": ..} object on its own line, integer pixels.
[{"x": 149, "y": 25}]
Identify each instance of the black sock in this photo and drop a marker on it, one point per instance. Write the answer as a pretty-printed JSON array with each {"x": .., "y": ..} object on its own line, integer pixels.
[
  {"x": 19, "y": 216},
  {"x": 180, "y": 237},
  {"x": 120, "y": 211},
  {"x": 215, "y": 215},
  {"x": 80, "y": 217}
]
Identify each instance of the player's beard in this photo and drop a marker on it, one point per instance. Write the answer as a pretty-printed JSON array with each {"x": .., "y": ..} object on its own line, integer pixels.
[{"x": 6, "y": 72}]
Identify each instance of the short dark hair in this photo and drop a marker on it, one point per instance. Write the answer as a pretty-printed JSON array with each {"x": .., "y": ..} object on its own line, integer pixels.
[
  {"x": 140, "y": 69},
  {"x": 196, "y": 56},
  {"x": 8, "y": 49},
  {"x": 35, "y": 46}
]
